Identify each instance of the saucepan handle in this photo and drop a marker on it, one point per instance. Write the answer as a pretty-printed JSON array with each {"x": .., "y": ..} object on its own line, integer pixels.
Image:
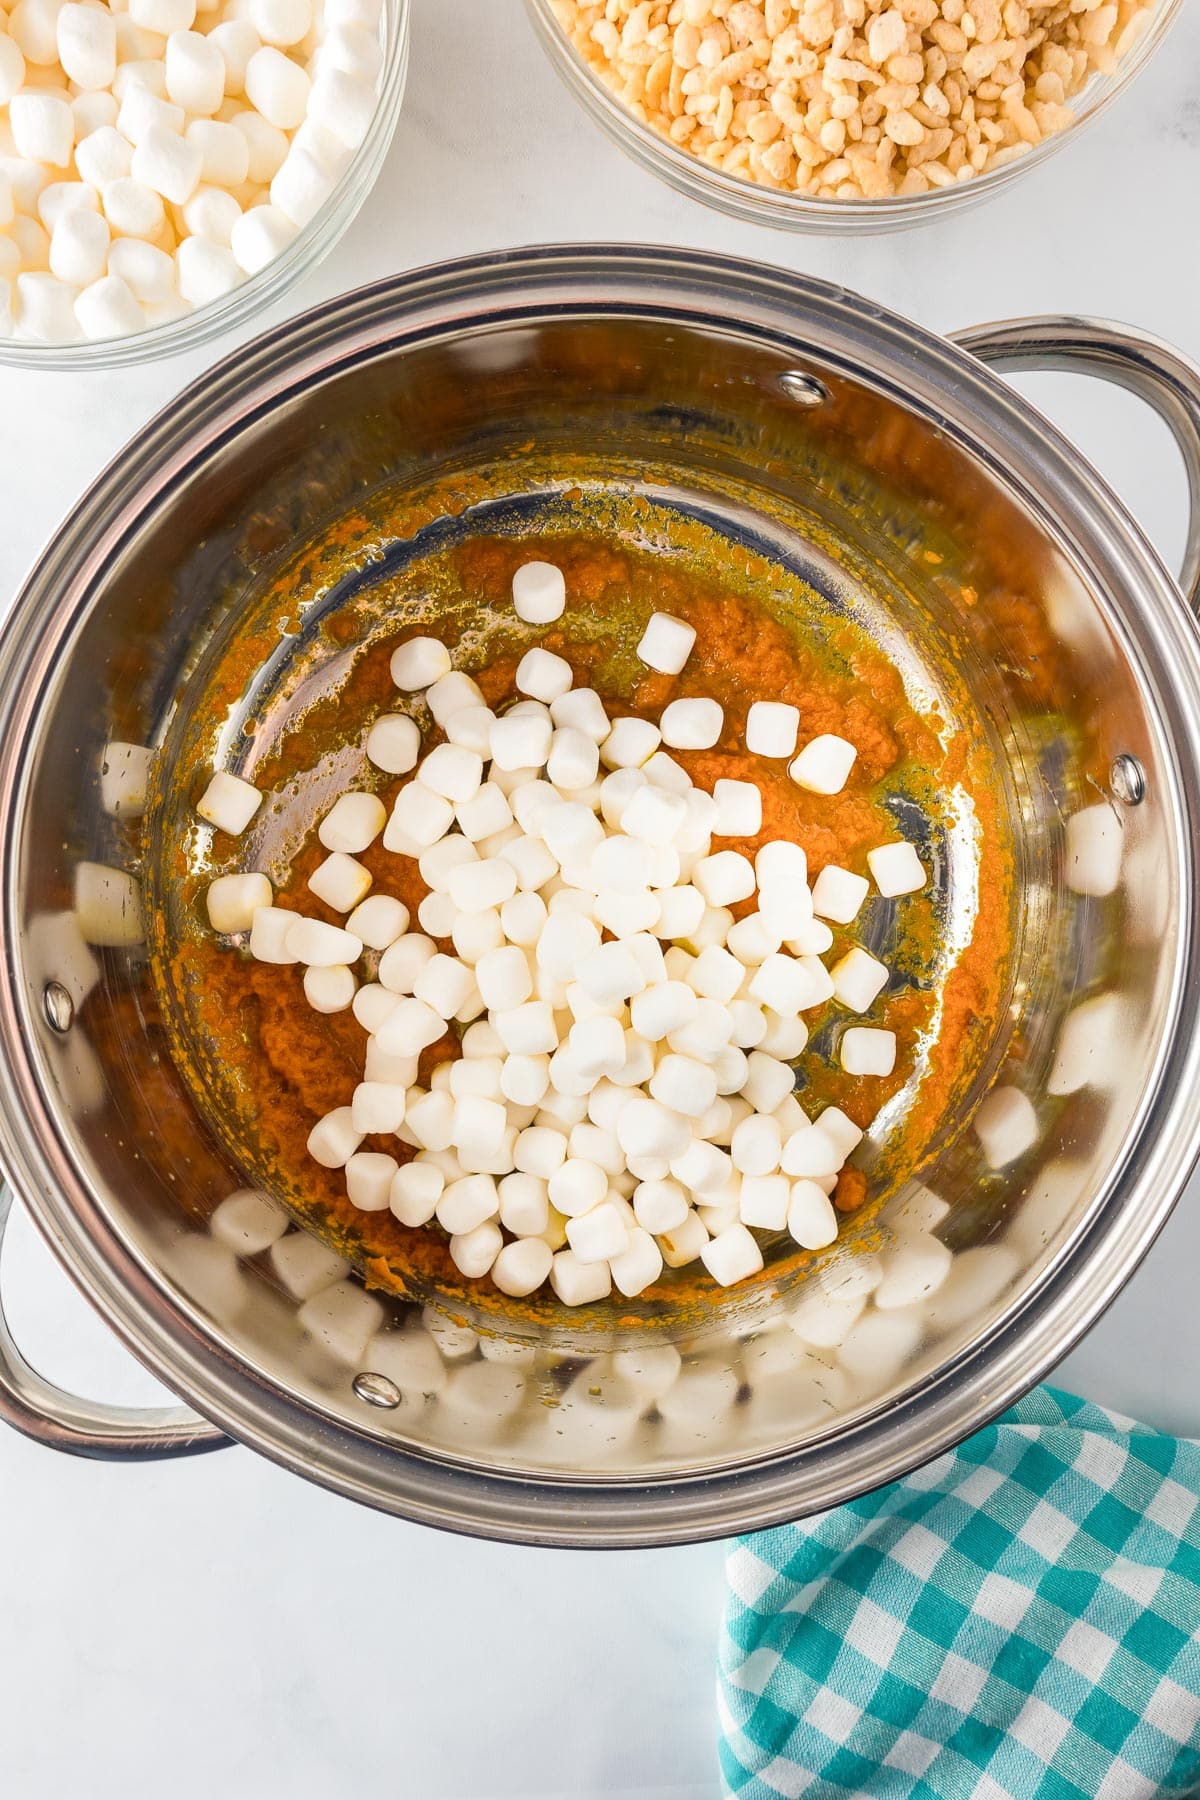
[
  {"x": 1133, "y": 359},
  {"x": 51, "y": 1416}
]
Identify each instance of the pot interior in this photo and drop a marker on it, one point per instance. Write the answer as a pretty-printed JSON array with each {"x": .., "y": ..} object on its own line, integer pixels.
[{"x": 297, "y": 541}]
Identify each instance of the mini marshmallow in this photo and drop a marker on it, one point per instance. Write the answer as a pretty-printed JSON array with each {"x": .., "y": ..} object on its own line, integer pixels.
[
  {"x": 266, "y": 145},
  {"x": 43, "y": 128},
  {"x": 86, "y": 39},
  {"x": 377, "y": 1106},
  {"x": 373, "y": 1004},
  {"x": 716, "y": 975},
  {"x": 577, "y": 1283},
  {"x": 692, "y": 724},
  {"x": 403, "y": 961},
  {"x": 224, "y": 153},
  {"x": 611, "y": 973},
  {"x": 133, "y": 209},
  {"x": 195, "y": 73},
  {"x": 476, "y": 886},
  {"x": 453, "y": 772},
  {"x": 352, "y": 823},
  {"x": 329, "y": 990},
  {"x": 630, "y": 743},
  {"x": 419, "y": 818},
  {"x": 229, "y": 803},
  {"x": 763, "y": 1201},
  {"x": 450, "y": 693},
  {"x": 539, "y": 593},
  {"x": 543, "y": 676},
  {"x": 530, "y": 860},
  {"x": 686, "y": 1086},
  {"x": 683, "y": 1243},
  {"x": 521, "y": 741},
  {"x": 524, "y": 1079},
  {"x": 471, "y": 726},
  {"x": 1006, "y": 1126},
  {"x": 791, "y": 984},
  {"x": 573, "y": 760},
  {"x": 340, "y": 881},
  {"x": 724, "y": 878},
  {"x": 415, "y": 1191},
  {"x": 732, "y": 1256},
  {"x": 756, "y": 1146},
  {"x": 163, "y": 16},
  {"x": 739, "y": 809},
  {"x": 768, "y": 1081},
  {"x": 520, "y": 1268},
  {"x": 205, "y": 270},
  {"x": 79, "y": 248},
  {"x": 211, "y": 213},
  {"x": 281, "y": 22},
  {"x": 666, "y": 644},
  {"x": 810, "y": 1152},
  {"x": 333, "y": 1139},
  {"x": 581, "y": 709},
  {"x": 312, "y": 941},
  {"x": 752, "y": 939},
  {"x": 662, "y": 1008},
  {"x": 429, "y": 1120},
  {"x": 865, "y": 1050},
  {"x": 301, "y": 185},
  {"x": 443, "y": 984},
  {"x": 811, "y": 1219},
  {"x": 269, "y": 930},
  {"x": 166, "y": 162},
  {"x": 858, "y": 979},
  {"x": 598, "y": 1234},
  {"x": 772, "y": 728},
  {"x": 12, "y": 69},
  {"x": 660, "y": 1205},
  {"x": 823, "y": 764},
  {"x": 147, "y": 272},
  {"x": 378, "y": 921},
  {"x": 528, "y": 1030},
  {"x": 103, "y": 156},
  {"x": 232, "y": 901},
  {"x": 277, "y": 87},
  {"x": 896, "y": 869},
  {"x": 393, "y": 742},
  {"x": 646, "y": 1128},
  {"x": 838, "y": 895},
  {"x": 343, "y": 105},
  {"x": 575, "y": 1187},
  {"x": 475, "y": 934},
  {"x": 468, "y": 1202}
]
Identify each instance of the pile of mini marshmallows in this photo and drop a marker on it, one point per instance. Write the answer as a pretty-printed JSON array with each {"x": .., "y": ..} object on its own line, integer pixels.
[
  {"x": 152, "y": 159},
  {"x": 624, "y": 1097}
]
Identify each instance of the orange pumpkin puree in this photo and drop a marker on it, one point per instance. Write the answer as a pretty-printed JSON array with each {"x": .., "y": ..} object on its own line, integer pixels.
[{"x": 290, "y": 1064}]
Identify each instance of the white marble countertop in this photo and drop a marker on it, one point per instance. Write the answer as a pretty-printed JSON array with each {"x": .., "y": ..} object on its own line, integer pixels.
[{"x": 218, "y": 1626}]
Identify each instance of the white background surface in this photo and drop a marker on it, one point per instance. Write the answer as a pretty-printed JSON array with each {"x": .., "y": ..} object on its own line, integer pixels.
[{"x": 216, "y": 1626}]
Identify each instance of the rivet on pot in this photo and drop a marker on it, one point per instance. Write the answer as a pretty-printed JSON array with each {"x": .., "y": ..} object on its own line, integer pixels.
[
  {"x": 805, "y": 390},
  {"x": 58, "y": 1007},
  {"x": 1127, "y": 778},
  {"x": 375, "y": 1389}
]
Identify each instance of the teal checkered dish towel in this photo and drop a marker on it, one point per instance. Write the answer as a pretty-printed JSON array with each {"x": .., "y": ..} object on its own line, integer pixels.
[{"x": 1019, "y": 1620}]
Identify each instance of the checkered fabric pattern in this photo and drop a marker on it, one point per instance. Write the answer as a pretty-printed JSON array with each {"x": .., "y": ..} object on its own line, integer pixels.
[{"x": 1019, "y": 1620}]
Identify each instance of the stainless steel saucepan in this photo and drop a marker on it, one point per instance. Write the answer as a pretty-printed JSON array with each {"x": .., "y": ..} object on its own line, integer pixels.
[{"x": 902, "y": 479}]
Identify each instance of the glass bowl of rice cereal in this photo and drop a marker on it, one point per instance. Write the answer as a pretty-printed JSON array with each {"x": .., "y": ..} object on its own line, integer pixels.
[{"x": 846, "y": 115}]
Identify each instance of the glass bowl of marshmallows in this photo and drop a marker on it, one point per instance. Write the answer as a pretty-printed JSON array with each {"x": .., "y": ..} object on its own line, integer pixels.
[{"x": 170, "y": 167}]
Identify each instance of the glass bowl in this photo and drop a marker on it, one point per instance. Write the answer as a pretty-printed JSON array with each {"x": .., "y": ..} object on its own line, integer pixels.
[
  {"x": 259, "y": 291},
  {"x": 760, "y": 205}
]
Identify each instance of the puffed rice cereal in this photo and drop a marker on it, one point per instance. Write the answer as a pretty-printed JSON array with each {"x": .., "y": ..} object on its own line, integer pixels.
[{"x": 852, "y": 99}]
